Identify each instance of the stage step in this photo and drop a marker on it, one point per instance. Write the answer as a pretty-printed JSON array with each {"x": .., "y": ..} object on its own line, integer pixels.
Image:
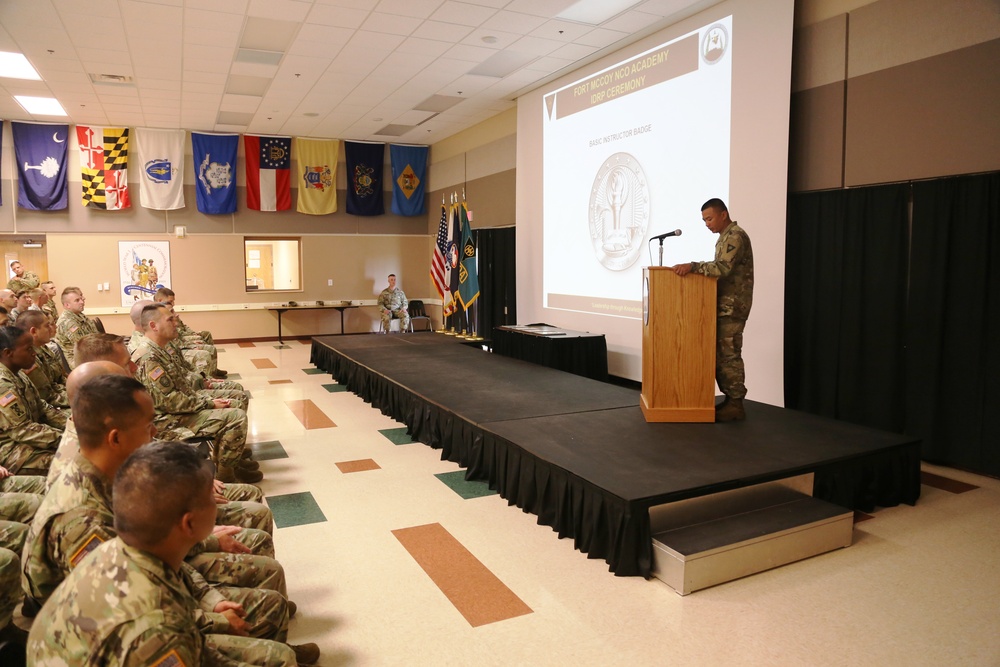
[{"x": 706, "y": 541}]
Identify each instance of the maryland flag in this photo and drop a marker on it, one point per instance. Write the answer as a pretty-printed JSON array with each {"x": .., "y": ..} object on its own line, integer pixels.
[{"x": 104, "y": 166}]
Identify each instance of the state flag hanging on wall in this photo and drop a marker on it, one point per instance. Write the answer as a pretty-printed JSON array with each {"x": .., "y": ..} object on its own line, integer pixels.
[
  {"x": 364, "y": 178},
  {"x": 268, "y": 167},
  {"x": 161, "y": 163},
  {"x": 104, "y": 166},
  {"x": 40, "y": 154},
  {"x": 215, "y": 171},
  {"x": 409, "y": 176},
  {"x": 317, "y": 175}
]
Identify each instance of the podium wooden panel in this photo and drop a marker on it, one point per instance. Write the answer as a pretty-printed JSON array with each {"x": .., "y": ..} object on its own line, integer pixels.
[{"x": 678, "y": 347}]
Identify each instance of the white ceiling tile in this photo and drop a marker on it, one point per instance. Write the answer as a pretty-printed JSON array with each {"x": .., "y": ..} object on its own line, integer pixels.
[
  {"x": 423, "y": 47},
  {"x": 514, "y": 22},
  {"x": 498, "y": 38},
  {"x": 285, "y": 10},
  {"x": 216, "y": 78},
  {"x": 239, "y": 102},
  {"x": 473, "y": 54},
  {"x": 210, "y": 36},
  {"x": 336, "y": 16},
  {"x": 202, "y": 58},
  {"x": 547, "y": 65},
  {"x": 631, "y": 21},
  {"x": 462, "y": 13},
  {"x": 394, "y": 25},
  {"x": 468, "y": 85},
  {"x": 546, "y": 8},
  {"x": 420, "y": 9},
  {"x": 225, "y": 6},
  {"x": 573, "y": 52},
  {"x": 535, "y": 46},
  {"x": 445, "y": 32},
  {"x": 561, "y": 31},
  {"x": 203, "y": 17},
  {"x": 601, "y": 37},
  {"x": 96, "y": 9}
]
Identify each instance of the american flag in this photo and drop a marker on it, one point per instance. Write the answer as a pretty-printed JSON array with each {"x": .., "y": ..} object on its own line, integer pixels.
[{"x": 437, "y": 258}]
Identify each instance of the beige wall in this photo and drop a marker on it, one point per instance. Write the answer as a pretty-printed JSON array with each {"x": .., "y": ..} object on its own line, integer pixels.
[
  {"x": 894, "y": 90},
  {"x": 207, "y": 272}
]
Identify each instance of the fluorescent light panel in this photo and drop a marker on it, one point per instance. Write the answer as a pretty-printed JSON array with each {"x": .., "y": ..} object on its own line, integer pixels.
[
  {"x": 40, "y": 106},
  {"x": 595, "y": 12},
  {"x": 16, "y": 66}
]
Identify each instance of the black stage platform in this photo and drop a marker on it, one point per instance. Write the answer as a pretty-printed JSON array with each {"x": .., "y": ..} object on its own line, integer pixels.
[{"x": 578, "y": 453}]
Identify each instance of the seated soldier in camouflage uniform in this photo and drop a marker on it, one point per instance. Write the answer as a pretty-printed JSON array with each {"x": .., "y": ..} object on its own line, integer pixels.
[
  {"x": 23, "y": 304},
  {"x": 23, "y": 280},
  {"x": 239, "y": 504},
  {"x": 73, "y": 324},
  {"x": 199, "y": 380},
  {"x": 20, "y": 497},
  {"x": 392, "y": 302},
  {"x": 48, "y": 306},
  {"x": 198, "y": 347},
  {"x": 30, "y": 428},
  {"x": 48, "y": 374},
  {"x": 177, "y": 404},
  {"x": 133, "y": 601},
  {"x": 114, "y": 418},
  {"x": 7, "y": 303}
]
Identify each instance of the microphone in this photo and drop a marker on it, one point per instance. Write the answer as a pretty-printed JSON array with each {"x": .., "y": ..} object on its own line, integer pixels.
[{"x": 660, "y": 238}]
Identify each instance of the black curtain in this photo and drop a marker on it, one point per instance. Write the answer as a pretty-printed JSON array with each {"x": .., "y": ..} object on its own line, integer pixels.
[
  {"x": 953, "y": 328},
  {"x": 497, "y": 278},
  {"x": 845, "y": 304}
]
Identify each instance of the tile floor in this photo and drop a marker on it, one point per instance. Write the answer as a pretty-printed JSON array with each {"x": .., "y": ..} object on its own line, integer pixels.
[{"x": 919, "y": 586}]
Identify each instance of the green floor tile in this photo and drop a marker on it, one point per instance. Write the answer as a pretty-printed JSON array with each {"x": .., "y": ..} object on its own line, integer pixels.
[
  {"x": 313, "y": 371},
  {"x": 234, "y": 376},
  {"x": 334, "y": 387},
  {"x": 397, "y": 436},
  {"x": 295, "y": 509},
  {"x": 456, "y": 482},
  {"x": 268, "y": 450},
  {"x": 220, "y": 349}
]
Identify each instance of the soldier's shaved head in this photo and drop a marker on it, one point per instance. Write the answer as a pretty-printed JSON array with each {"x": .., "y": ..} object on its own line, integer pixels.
[
  {"x": 136, "y": 311},
  {"x": 87, "y": 371},
  {"x": 183, "y": 482}
]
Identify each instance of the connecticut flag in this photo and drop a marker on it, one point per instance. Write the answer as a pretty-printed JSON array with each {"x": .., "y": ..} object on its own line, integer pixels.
[
  {"x": 268, "y": 163},
  {"x": 215, "y": 170},
  {"x": 104, "y": 166}
]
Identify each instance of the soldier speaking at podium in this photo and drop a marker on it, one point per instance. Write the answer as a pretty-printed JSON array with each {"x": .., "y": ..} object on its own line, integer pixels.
[{"x": 733, "y": 266}]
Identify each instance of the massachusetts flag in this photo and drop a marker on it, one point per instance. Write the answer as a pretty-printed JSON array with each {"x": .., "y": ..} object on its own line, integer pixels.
[
  {"x": 40, "y": 154},
  {"x": 317, "y": 175},
  {"x": 161, "y": 168},
  {"x": 438, "y": 257},
  {"x": 409, "y": 176},
  {"x": 364, "y": 178},
  {"x": 104, "y": 166},
  {"x": 269, "y": 163},
  {"x": 215, "y": 171}
]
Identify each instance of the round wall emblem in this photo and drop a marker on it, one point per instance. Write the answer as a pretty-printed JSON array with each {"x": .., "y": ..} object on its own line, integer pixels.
[{"x": 619, "y": 211}]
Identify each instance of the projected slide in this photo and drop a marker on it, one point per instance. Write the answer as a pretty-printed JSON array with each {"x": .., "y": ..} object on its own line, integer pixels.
[{"x": 629, "y": 153}]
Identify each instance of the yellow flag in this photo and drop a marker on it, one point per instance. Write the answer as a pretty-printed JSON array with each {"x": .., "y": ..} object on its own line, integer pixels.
[{"x": 317, "y": 175}]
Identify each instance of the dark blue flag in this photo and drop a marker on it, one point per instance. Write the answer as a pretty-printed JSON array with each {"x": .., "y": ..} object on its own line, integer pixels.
[
  {"x": 364, "y": 178},
  {"x": 40, "y": 154},
  {"x": 409, "y": 177},
  {"x": 215, "y": 171}
]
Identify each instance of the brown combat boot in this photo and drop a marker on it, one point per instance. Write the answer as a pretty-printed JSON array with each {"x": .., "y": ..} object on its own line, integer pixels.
[
  {"x": 305, "y": 654},
  {"x": 247, "y": 476},
  {"x": 731, "y": 411},
  {"x": 225, "y": 474}
]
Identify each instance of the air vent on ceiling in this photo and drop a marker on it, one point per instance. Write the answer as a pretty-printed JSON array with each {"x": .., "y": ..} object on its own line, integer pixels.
[{"x": 112, "y": 79}]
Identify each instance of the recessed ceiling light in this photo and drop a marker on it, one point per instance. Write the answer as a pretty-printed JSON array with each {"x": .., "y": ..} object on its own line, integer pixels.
[
  {"x": 489, "y": 39},
  {"x": 40, "y": 106},
  {"x": 16, "y": 66},
  {"x": 310, "y": 114},
  {"x": 595, "y": 12}
]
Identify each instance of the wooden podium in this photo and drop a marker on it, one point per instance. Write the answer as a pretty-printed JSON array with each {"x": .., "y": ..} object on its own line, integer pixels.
[{"x": 678, "y": 346}]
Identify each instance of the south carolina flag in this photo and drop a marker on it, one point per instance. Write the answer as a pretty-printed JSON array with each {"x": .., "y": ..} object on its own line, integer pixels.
[
  {"x": 269, "y": 162},
  {"x": 317, "y": 175}
]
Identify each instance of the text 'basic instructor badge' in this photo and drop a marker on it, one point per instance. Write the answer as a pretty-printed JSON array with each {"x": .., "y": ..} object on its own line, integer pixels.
[{"x": 619, "y": 211}]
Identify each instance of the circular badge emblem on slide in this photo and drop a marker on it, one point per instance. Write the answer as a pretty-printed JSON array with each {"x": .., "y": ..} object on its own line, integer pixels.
[
  {"x": 714, "y": 44},
  {"x": 619, "y": 211}
]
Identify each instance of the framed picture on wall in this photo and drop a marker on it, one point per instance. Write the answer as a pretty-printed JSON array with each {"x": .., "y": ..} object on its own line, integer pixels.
[{"x": 144, "y": 267}]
